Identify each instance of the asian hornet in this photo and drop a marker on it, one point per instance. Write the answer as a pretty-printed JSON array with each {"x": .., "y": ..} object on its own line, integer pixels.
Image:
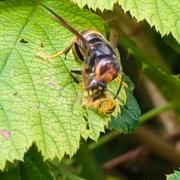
[{"x": 100, "y": 65}]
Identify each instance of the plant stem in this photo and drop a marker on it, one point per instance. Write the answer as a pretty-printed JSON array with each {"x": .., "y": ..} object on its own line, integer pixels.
[
  {"x": 103, "y": 140},
  {"x": 145, "y": 117},
  {"x": 152, "y": 113}
]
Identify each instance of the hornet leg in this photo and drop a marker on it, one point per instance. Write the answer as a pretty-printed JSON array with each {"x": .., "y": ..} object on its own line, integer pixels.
[
  {"x": 122, "y": 83},
  {"x": 77, "y": 72},
  {"x": 47, "y": 57}
]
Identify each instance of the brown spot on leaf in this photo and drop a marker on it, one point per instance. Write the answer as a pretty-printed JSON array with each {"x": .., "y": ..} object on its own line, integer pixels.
[{"x": 42, "y": 44}]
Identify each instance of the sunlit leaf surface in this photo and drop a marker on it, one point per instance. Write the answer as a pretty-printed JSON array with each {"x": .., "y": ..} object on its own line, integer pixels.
[
  {"x": 39, "y": 100},
  {"x": 163, "y": 14}
]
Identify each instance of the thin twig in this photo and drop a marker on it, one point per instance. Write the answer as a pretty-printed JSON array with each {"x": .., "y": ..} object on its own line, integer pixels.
[{"x": 131, "y": 155}]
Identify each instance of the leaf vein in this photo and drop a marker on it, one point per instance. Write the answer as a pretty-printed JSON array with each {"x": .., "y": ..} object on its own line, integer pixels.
[
  {"x": 16, "y": 40},
  {"x": 38, "y": 101}
]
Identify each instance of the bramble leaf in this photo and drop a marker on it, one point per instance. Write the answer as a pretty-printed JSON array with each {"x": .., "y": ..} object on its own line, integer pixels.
[
  {"x": 169, "y": 40},
  {"x": 127, "y": 120},
  {"x": 34, "y": 167},
  {"x": 163, "y": 14},
  {"x": 94, "y": 4},
  {"x": 39, "y": 100}
]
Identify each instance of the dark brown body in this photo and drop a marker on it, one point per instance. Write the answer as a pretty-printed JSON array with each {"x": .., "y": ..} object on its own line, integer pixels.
[{"x": 100, "y": 62}]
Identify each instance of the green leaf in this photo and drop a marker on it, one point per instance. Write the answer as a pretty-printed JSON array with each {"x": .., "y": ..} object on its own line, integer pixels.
[
  {"x": 127, "y": 120},
  {"x": 173, "y": 43},
  {"x": 96, "y": 123},
  {"x": 66, "y": 175},
  {"x": 11, "y": 174},
  {"x": 94, "y": 4},
  {"x": 34, "y": 167},
  {"x": 174, "y": 176},
  {"x": 163, "y": 14},
  {"x": 39, "y": 101},
  {"x": 60, "y": 172}
]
